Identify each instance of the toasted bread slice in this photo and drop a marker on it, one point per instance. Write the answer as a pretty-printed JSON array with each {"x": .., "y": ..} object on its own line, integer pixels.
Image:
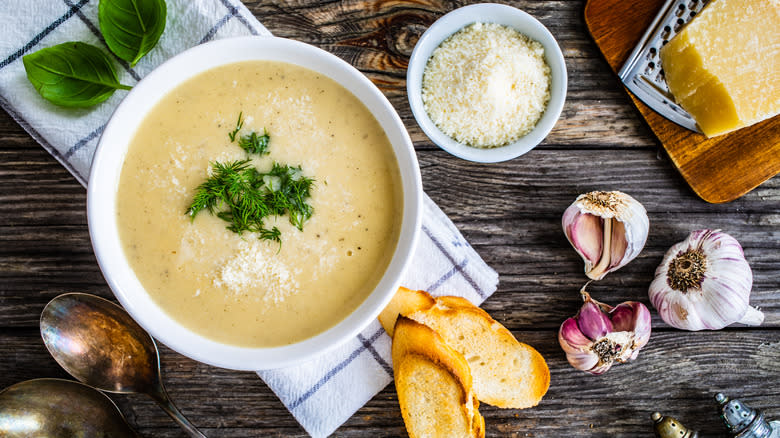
[
  {"x": 506, "y": 373},
  {"x": 434, "y": 385},
  {"x": 404, "y": 302}
]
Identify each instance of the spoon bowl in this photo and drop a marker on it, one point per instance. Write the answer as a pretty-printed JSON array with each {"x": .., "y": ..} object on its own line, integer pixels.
[
  {"x": 99, "y": 344},
  {"x": 57, "y": 408}
]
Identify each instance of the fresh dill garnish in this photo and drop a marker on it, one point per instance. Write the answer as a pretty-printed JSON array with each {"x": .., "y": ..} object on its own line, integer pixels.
[
  {"x": 239, "y": 194},
  {"x": 254, "y": 143},
  {"x": 292, "y": 189},
  {"x": 239, "y": 125},
  {"x": 272, "y": 234}
]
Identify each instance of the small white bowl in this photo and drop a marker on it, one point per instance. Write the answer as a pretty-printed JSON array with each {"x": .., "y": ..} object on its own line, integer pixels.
[
  {"x": 487, "y": 13},
  {"x": 107, "y": 166}
]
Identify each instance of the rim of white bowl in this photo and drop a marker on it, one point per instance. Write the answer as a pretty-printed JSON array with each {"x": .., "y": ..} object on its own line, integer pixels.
[
  {"x": 487, "y": 13},
  {"x": 106, "y": 170}
]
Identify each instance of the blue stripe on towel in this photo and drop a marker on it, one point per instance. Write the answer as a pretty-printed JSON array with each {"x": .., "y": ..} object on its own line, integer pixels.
[
  {"x": 79, "y": 144},
  {"x": 379, "y": 359},
  {"x": 459, "y": 268},
  {"x": 234, "y": 10},
  {"x": 37, "y": 38},
  {"x": 213, "y": 31},
  {"x": 334, "y": 371}
]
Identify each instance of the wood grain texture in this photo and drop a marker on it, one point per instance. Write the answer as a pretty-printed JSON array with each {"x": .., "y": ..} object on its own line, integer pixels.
[
  {"x": 509, "y": 212},
  {"x": 237, "y": 404},
  {"x": 718, "y": 169}
]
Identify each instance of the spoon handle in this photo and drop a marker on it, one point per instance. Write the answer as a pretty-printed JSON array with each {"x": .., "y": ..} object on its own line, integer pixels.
[{"x": 161, "y": 397}]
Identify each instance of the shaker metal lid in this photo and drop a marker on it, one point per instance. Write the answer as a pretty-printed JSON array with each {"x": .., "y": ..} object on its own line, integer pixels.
[
  {"x": 669, "y": 427},
  {"x": 741, "y": 420}
]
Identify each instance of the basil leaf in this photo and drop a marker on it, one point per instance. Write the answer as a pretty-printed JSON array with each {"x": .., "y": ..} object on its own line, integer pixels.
[
  {"x": 72, "y": 74},
  {"x": 131, "y": 28}
]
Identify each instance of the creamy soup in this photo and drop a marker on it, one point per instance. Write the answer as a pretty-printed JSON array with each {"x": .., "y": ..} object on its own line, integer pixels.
[{"x": 239, "y": 289}]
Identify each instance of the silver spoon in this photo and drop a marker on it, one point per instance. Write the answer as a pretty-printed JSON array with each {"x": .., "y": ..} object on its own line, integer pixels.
[
  {"x": 59, "y": 408},
  {"x": 99, "y": 344}
]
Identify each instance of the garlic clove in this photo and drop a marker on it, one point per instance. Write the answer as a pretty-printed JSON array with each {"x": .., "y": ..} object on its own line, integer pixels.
[
  {"x": 703, "y": 283},
  {"x": 618, "y": 245},
  {"x": 576, "y": 346},
  {"x": 633, "y": 316},
  {"x": 607, "y": 229},
  {"x": 572, "y": 334},
  {"x": 593, "y": 323},
  {"x": 623, "y": 317},
  {"x": 586, "y": 232}
]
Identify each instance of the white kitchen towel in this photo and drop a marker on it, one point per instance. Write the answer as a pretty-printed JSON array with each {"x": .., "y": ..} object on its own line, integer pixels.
[
  {"x": 71, "y": 135},
  {"x": 322, "y": 393}
]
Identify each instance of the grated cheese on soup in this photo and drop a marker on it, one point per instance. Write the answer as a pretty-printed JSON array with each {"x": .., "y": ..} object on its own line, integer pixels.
[
  {"x": 254, "y": 269},
  {"x": 486, "y": 85}
]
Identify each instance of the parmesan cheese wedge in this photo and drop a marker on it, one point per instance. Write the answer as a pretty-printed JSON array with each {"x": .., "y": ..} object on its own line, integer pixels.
[{"x": 724, "y": 66}]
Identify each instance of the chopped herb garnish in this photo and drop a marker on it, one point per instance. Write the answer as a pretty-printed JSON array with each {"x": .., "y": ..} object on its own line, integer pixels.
[
  {"x": 240, "y": 195},
  {"x": 254, "y": 143},
  {"x": 272, "y": 234},
  {"x": 239, "y": 125},
  {"x": 292, "y": 190}
]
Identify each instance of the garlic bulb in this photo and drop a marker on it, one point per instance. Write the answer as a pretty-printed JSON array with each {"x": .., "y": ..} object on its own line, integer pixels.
[
  {"x": 607, "y": 229},
  {"x": 703, "y": 283},
  {"x": 600, "y": 335}
]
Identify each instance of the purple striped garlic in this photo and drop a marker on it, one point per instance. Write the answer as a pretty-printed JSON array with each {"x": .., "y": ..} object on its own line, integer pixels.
[
  {"x": 607, "y": 229},
  {"x": 600, "y": 335},
  {"x": 703, "y": 283}
]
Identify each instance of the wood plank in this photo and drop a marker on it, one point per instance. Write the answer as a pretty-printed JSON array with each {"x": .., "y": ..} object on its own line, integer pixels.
[
  {"x": 509, "y": 212},
  {"x": 236, "y": 404},
  {"x": 39, "y": 263},
  {"x": 548, "y": 179},
  {"x": 538, "y": 269}
]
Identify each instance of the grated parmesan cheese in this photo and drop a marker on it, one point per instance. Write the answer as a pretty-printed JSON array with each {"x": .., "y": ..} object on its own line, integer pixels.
[
  {"x": 251, "y": 269},
  {"x": 486, "y": 85}
]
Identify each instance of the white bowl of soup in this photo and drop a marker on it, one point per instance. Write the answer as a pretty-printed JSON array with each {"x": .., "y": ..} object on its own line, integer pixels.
[{"x": 267, "y": 272}]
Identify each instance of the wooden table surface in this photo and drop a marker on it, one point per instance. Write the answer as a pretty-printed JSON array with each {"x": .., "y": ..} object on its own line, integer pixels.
[{"x": 510, "y": 212}]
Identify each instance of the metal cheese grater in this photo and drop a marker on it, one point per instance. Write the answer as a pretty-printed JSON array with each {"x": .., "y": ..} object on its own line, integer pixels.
[{"x": 642, "y": 72}]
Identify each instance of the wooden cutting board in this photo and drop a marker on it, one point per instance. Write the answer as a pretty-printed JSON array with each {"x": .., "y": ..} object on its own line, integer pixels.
[{"x": 719, "y": 169}]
